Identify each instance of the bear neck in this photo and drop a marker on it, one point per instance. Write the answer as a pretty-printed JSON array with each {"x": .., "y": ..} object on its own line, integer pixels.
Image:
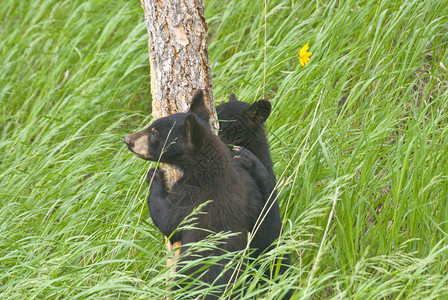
[
  {"x": 259, "y": 146},
  {"x": 211, "y": 163}
]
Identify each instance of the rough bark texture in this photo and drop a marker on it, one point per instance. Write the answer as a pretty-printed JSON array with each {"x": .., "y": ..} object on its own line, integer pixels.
[
  {"x": 179, "y": 60},
  {"x": 178, "y": 54}
]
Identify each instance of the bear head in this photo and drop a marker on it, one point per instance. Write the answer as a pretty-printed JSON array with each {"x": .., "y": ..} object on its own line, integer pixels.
[
  {"x": 169, "y": 138},
  {"x": 241, "y": 123}
]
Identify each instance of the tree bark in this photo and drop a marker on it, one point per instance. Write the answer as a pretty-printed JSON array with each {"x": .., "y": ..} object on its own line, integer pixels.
[
  {"x": 179, "y": 61},
  {"x": 178, "y": 54}
]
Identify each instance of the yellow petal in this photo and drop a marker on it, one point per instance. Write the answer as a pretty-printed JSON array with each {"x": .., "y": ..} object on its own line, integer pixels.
[
  {"x": 304, "y": 50},
  {"x": 304, "y": 55}
]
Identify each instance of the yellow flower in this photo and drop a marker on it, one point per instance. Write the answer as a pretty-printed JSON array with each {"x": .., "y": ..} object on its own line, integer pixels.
[{"x": 304, "y": 55}]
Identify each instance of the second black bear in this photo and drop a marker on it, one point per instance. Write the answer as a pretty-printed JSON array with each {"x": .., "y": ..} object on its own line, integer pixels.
[
  {"x": 210, "y": 172},
  {"x": 242, "y": 124}
]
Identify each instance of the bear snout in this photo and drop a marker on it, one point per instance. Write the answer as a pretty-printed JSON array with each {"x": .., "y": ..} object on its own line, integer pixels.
[
  {"x": 138, "y": 144},
  {"x": 128, "y": 141}
]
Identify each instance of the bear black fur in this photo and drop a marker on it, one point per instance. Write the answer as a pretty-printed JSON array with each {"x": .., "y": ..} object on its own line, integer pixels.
[
  {"x": 242, "y": 124},
  {"x": 210, "y": 172}
]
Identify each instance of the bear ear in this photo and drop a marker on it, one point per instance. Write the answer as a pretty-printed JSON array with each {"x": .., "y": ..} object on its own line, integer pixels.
[
  {"x": 259, "y": 111},
  {"x": 198, "y": 105},
  {"x": 232, "y": 98},
  {"x": 194, "y": 131}
]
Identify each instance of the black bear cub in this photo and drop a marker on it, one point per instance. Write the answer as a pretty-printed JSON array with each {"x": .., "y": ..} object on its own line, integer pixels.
[
  {"x": 242, "y": 124},
  {"x": 210, "y": 172}
]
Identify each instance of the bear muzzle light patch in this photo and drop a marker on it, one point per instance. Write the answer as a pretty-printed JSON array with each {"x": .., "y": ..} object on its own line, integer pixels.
[{"x": 138, "y": 144}]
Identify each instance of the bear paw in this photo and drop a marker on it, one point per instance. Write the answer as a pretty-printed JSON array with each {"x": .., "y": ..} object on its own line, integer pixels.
[
  {"x": 243, "y": 156},
  {"x": 154, "y": 175}
]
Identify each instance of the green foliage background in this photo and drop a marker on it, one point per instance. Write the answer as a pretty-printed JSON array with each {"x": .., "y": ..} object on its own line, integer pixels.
[{"x": 365, "y": 124}]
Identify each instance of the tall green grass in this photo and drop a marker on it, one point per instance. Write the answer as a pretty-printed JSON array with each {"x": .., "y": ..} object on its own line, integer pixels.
[{"x": 358, "y": 138}]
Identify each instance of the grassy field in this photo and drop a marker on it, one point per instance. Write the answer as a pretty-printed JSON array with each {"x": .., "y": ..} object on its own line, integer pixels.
[{"x": 359, "y": 138}]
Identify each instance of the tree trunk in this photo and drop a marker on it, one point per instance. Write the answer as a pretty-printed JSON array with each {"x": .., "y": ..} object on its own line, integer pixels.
[{"x": 179, "y": 61}]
